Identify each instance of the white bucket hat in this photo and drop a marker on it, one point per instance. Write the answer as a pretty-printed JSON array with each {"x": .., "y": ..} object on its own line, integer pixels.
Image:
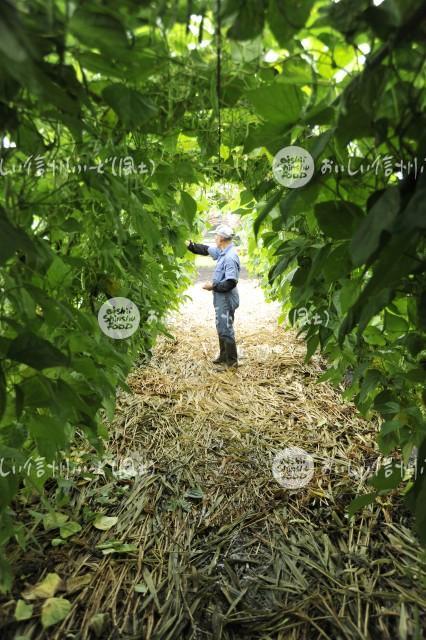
[{"x": 224, "y": 231}]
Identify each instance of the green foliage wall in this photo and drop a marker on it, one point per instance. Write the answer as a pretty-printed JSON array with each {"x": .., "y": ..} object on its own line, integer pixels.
[
  {"x": 91, "y": 208},
  {"x": 348, "y": 249}
]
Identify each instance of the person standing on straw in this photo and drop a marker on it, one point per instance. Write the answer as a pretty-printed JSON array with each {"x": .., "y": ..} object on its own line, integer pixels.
[{"x": 225, "y": 292}]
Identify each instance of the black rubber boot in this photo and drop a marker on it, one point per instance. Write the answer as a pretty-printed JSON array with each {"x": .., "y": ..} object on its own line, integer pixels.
[
  {"x": 222, "y": 355},
  {"x": 231, "y": 353}
]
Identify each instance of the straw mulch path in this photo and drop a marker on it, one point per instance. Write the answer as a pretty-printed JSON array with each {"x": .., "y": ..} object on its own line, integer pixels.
[{"x": 222, "y": 551}]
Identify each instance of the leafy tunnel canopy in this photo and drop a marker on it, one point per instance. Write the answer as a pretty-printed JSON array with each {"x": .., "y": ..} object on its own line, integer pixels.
[{"x": 118, "y": 116}]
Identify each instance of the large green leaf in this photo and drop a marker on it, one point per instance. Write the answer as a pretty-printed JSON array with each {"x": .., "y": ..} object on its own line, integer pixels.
[
  {"x": 277, "y": 103},
  {"x": 11, "y": 238},
  {"x": 144, "y": 222},
  {"x": 338, "y": 263},
  {"x": 296, "y": 71},
  {"x": 339, "y": 219},
  {"x": 97, "y": 27},
  {"x": 394, "y": 324},
  {"x": 35, "y": 351},
  {"x": 50, "y": 434},
  {"x": 38, "y": 391},
  {"x": 132, "y": 107},
  {"x": 267, "y": 134},
  {"x": 380, "y": 219},
  {"x": 249, "y": 21},
  {"x": 187, "y": 208},
  {"x": 413, "y": 217},
  {"x": 388, "y": 271},
  {"x": 99, "y": 64},
  {"x": 59, "y": 273},
  {"x": 299, "y": 201},
  {"x": 286, "y": 19},
  {"x": 266, "y": 209}
]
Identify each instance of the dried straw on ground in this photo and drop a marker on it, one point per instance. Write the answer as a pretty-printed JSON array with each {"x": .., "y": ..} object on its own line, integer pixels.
[{"x": 222, "y": 550}]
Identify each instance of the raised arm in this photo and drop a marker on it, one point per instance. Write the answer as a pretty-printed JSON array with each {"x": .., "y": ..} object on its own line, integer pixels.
[
  {"x": 203, "y": 250},
  {"x": 200, "y": 249}
]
